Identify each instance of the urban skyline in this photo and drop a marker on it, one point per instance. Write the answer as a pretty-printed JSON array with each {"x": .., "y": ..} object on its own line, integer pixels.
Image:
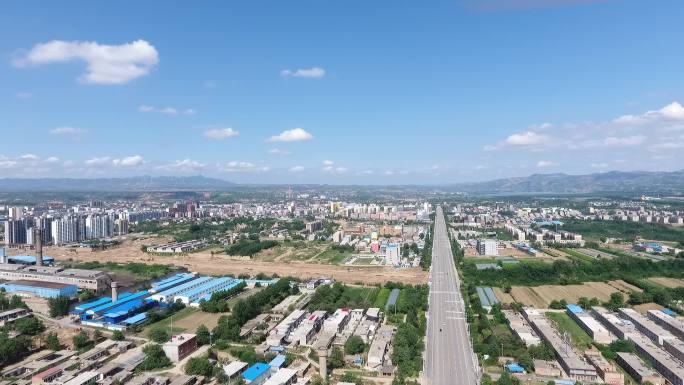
[{"x": 380, "y": 93}]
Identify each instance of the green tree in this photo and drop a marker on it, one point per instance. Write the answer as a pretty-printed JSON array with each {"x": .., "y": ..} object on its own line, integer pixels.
[
  {"x": 199, "y": 366},
  {"x": 52, "y": 342},
  {"x": 336, "y": 358},
  {"x": 354, "y": 345},
  {"x": 616, "y": 301},
  {"x": 203, "y": 336},
  {"x": 29, "y": 326},
  {"x": 81, "y": 340},
  {"x": 58, "y": 306},
  {"x": 154, "y": 358},
  {"x": 352, "y": 377},
  {"x": 158, "y": 335},
  {"x": 118, "y": 335}
]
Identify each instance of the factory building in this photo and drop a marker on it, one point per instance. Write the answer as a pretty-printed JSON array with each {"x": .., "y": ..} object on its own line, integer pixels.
[
  {"x": 205, "y": 291},
  {"x": 40, "y": 289},
  {"x": 620, "y": 328},
  {"x": 521, "y": 328},
  {"x": 669, "y": 323},
  {"x": 664, "y": 363},
  {"x": 94, "y": 280},
  {"x": 636, "y": 368},
  {"x": 169, "y": 295},
  {"x": 646, "y": 326},
  {"x": 597, "y": 332},
  {"x": 569, "y": 359}
]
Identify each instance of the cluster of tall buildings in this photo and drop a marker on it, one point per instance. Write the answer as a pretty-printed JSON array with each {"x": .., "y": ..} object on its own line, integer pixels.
[{"x": 71, "y": 228}]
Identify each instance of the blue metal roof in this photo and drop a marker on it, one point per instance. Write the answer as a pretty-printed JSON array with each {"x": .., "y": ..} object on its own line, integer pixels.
[
  {"x": 484, "y": 301},
  {"x": 125, "y": 308},
  {"x": 174, "y": 283},
  {"x": 89, "y": 305},
  {"x": 136, "y": 319},
  {"x": 111, "y": 305},
  {"x": 278, "y": 361},
  {"x": 574, "y": 309},
  {"x": 177, "y": 290},
  {"x": 515, "y": 368},
  {"x": 255, "y": 371},
  {"x": 209, "y": 286},
  {"x": 167, "y": 280},
  {"x": 262, "y": 282}
]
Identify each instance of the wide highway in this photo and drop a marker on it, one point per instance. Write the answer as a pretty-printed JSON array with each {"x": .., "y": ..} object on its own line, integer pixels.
[{"x": 449, "y": 357}]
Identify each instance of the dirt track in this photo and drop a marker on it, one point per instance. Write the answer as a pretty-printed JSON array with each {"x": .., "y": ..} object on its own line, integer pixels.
[{"x": 206, "y": 263}]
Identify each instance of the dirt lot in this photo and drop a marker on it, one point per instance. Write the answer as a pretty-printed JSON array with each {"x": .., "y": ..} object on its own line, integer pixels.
[
  {"x": 210, "y": 320},
  {"x": 644, "y": 307},
  {"x": 206, "y": 263},
  {"x": 624, "y": 286},
  {"x": 667, "y": 282},
  {"x": 541, "y": 296}
]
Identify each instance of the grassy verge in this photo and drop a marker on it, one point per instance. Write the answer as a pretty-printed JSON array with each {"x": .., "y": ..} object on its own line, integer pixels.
[{"x": 564, "y": 323}]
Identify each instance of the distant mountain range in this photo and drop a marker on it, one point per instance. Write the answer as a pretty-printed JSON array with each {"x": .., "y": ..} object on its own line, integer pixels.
[
  {"x": 613, "y": 181},
  {"x": 137, "y": 183}
]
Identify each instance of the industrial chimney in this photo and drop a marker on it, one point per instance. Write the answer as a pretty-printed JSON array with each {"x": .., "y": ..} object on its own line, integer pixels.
[
  {"x": 323, "y": 362},
  {"x": 38, "y": 239},
  {"x": 115, "y": 292}
]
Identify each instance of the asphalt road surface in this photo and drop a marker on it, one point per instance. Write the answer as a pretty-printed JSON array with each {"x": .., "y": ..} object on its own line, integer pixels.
[{"x": 449, "y": 358}]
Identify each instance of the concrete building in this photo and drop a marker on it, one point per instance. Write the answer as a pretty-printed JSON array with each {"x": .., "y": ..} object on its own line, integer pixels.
[
  {"x": 487, "y": 247},
  {"x": 597, "y": 332},
  {"x": 379, "y": 347},
  {"x": 669, "y": 323},
  {"x": 94, "y": 280},
  {"x": 234, "y": 369},
  {"x": 283, "y": 377},
  {"x": 10, "y": 316},
  {"x": 40, "y": 289},
  {"x": 180, "y": 346},
  {"x": 571, "y": 361},
  {"x": 646, "y": 326},
  {"x": 664, "y": 363},
  {"x": 87, "y": 378},
  {"x": 607, "y": 371},
  {"x": 521, "y": 328},
  {"x": 335, "y": 323},
  {"x": 636, "y": 368}
]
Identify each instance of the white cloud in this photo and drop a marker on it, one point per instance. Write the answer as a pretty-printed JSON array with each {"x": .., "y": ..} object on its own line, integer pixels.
[
  {"x": 105, "y": 64},
  {"x": 621, "y": 132},
  {"x": 280, "y": 152},
  {"x": 296, "y": 169},
  {"x": 101, "y": 161},
  {"x": 242, "y": 166},
  {"x": 293, "y": 135},
  {"x": 167, "y": 110},
  {"x": 29, "y": 157},
  {"x": 185, "y": 165},
  {"x": 67, "y": 131},
  {"x": 544, "y": 164},
  {"x": 52, "y": 159},
  {"x": 24, "y": 95},
  {"x": 312, "y": 73},
  {"x": 129, "y": 161},
  {"x": 328, "y": 162},
  {"x": 220, "y": 133}
]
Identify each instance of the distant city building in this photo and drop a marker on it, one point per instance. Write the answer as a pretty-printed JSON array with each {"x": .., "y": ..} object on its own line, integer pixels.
[{"x": 487, "y": 247}]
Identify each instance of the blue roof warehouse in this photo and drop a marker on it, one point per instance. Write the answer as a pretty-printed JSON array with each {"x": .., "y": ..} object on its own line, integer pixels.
[{"x": 40, "y": 289}]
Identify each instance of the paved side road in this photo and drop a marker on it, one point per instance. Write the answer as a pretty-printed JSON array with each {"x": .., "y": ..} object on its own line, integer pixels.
[{"x": 449, "y": 357}]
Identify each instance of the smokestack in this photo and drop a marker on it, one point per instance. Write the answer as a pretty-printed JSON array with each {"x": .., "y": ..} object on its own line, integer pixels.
[
  {"x": 323, "y": 363},
  {"x": 115, "y": 292},
  {"x": 3, "y": 257},
  {"x": 38, "y": 239}
]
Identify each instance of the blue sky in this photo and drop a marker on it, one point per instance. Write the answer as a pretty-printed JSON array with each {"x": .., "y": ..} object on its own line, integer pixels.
[{"x": 341, "y": 91}]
